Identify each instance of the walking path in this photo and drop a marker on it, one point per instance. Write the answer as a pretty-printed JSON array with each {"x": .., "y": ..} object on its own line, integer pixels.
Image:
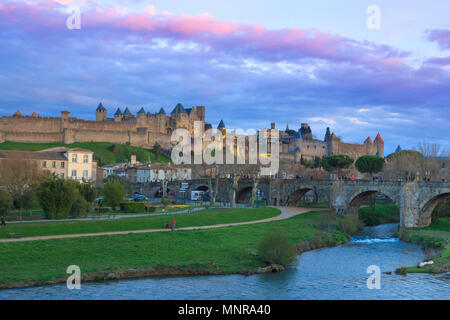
[{"x": 286, "y": 213}]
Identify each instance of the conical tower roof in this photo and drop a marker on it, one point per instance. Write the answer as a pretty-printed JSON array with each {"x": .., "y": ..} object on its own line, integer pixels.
[
  {"x": 179, "y": 109},
  {"x": 378, "y": 138},
  {"x": 142, "y": 110},
  {"x": 118, "y": 112},
  {"x": 100, "y": 107},
  {"x": 127, "y": 112},
  {"x": 162, "y": 111},
  {"x": 368, "y": 140},
  {"x": 221, "y": 125}
]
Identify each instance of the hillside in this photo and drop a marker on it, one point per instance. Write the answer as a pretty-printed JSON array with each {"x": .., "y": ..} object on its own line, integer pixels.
[{"x": 104, "y": 152}]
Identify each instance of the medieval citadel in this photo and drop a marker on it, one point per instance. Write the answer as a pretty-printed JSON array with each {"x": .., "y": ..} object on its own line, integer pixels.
[{"x": 145, "y": 129}]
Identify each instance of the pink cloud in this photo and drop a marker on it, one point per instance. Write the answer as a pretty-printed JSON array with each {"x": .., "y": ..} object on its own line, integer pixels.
[{"x": 255, "y": 41}]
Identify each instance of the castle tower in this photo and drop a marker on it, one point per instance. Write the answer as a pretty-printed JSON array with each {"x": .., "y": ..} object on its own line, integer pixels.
[
  {"x": 221, "y": 127},
  {"x": 379, "y": 143},
  {"x": 100, "y": 113},
  {"x": 306, "y": 132},
  {"x": 65, "y": 118},
  {"x": 127, "y": 113},
  {"x": 118, "y": 115},
  {"x": 201, "y": 113},
  {"x": 327, "y": 135},
  {"x": 141, "y": 112}
]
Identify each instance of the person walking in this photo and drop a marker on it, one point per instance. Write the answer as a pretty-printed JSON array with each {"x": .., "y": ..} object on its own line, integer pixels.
[
  {"x": 174, "y": 224},
  {"x": 3, "y": 222}
]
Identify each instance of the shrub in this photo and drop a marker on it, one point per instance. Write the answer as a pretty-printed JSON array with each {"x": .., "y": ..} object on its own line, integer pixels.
[
  {"x": 165, "y": 201},
  {"x": 57, "y": 196},
  {"x": 134, "y": 207},
  {"x": 113, "y": 194},
  {"x": 80, "y": 208},
  {"x": 275, "y": 248},
  {"x": 150, "y": 209}
]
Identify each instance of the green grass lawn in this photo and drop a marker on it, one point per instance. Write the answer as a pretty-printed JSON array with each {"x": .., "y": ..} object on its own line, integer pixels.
[
  {"x": 200, "y": 218},
  {"x": 437, "y": 235},
  {"x": 230, "y": 249},
  {"x": 104, "y": 152}
]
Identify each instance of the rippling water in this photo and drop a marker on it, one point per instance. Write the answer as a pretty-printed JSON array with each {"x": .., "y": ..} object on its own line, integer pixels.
[{"x": 331, "y": 273}]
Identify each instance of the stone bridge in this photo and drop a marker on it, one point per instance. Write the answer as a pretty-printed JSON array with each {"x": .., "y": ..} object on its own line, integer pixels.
[{"x": 415, "y": 200}]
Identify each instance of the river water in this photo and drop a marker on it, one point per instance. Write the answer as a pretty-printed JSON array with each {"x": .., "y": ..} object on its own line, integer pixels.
[{"x": 329, "y": 273}]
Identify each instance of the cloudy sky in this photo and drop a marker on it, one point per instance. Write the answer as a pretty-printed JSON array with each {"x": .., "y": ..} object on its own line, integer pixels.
[{"x": 249, "y": 62}]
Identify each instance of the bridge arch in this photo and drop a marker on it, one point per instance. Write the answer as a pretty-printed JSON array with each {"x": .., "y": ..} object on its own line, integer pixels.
[
  {"x": 427, "y": 208},
  {"x": 201, "y": 187},
  {"x": 295, "y": 196},
  {"x": 244, "y": 194},
  {"x": 356, "y": 199}
]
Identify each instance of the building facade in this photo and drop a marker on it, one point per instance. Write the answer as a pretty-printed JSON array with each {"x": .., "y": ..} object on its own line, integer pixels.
[{"x": 75, "y": 163}]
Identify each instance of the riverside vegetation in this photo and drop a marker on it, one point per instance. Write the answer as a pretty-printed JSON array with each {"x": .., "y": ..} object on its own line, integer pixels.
[{"x": 209, "y": 251}]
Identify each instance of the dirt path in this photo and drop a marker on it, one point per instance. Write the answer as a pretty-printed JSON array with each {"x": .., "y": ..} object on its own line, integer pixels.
[{"x": 286, "y": 212}]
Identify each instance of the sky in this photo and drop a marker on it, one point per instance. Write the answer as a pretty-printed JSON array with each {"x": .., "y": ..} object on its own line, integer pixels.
[{"x": 249, "y": 62}]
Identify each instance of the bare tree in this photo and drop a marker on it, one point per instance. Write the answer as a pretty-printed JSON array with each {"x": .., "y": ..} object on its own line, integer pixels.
[{"x": 18, "y": 175}]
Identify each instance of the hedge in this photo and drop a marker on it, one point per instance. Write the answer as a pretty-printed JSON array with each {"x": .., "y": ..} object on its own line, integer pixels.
[{"x": 135, "y": 207}]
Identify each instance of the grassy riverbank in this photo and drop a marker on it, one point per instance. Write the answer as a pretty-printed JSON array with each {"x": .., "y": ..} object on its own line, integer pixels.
[
  {"x": 209, "y": 251},
  {"x": 435, "y": 237},
  {"x": 198, "y": 218},
  {"x": 382, "y": 214}
]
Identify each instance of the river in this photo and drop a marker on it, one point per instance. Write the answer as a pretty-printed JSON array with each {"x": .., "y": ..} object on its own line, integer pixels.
[{"x": 329, "y": 273}]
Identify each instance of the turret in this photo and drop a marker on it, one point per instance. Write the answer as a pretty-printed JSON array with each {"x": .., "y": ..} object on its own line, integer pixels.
[
  {"x": 327, "y": 135},
  {"x": 305, "y": 131},
  {"x": 379, "y": 143},
  {"x": 118, "y": 115},
  {"x": 100, "y": 113},
  {"x": 221, "y": 127},
  {"x": 141, "y": 112}
]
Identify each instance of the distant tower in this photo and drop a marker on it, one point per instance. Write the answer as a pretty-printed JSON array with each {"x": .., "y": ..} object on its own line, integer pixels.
[
  {"x": 100, "y": 112},
  {"x": 141, "y": 112},
  {"x": 306, "y": 132},
  {"x": 221, "y": 127},
  {"x": 398, "y": 149},
  {"x": 287, "y": 127},
  {"x": 327, "y": 135},
  {"x": 379, "y": 143},
  {"x": 118, "y": 115}
]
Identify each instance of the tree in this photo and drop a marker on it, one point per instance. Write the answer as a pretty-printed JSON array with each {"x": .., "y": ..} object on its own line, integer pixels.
[
  {"x": 5, "y": 202},
  {"x": 336, "y": 162},
  {"x": 19, "y": 174},
  {"x": 57, "y": 196},
  {"x": 404, "y": 164},
  {"x": 113, "y": 194},
  {"x": 25, "y": 200},
  {"x": 369, "y": 164},
  {"x": 125, "y": 182}
]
